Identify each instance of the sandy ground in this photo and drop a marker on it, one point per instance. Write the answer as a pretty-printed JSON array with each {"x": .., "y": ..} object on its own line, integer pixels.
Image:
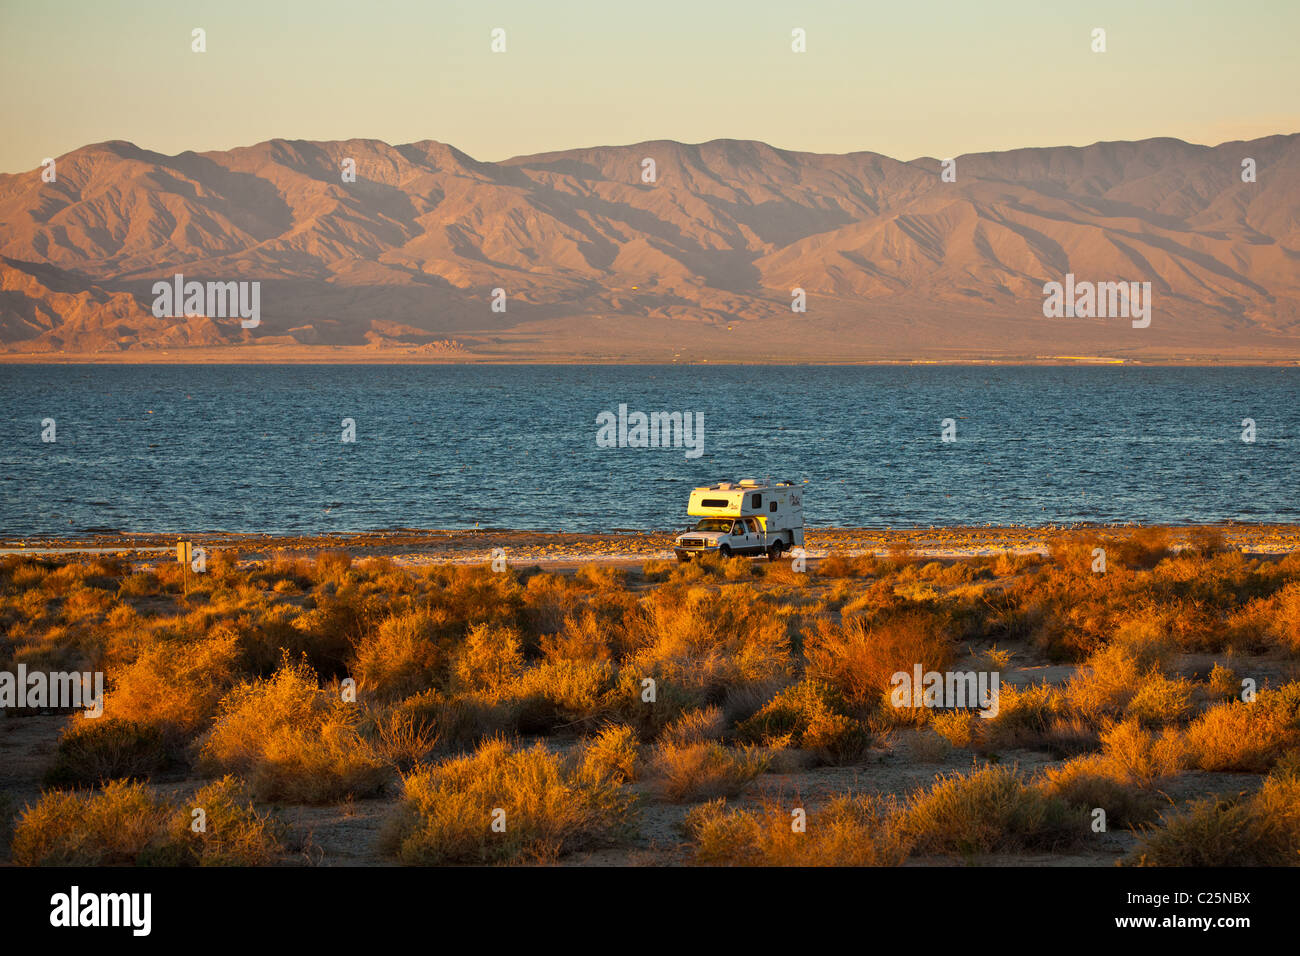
[{"x": 416, "y": 547}]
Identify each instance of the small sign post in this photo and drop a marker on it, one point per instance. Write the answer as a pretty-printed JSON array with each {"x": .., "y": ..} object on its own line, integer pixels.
[{"x": 185, "y": 554}]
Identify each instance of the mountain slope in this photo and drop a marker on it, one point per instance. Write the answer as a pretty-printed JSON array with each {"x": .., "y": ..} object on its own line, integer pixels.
[{"x": 701, "y": 261}]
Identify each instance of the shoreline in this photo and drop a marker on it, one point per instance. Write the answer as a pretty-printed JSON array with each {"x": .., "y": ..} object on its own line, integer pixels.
[
  {"x": 360, "y": 355},
  {"x": 458, "y": 546}
]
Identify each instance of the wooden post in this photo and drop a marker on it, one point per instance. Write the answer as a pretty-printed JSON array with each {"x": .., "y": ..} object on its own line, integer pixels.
[{"x": 185, "y": 554}]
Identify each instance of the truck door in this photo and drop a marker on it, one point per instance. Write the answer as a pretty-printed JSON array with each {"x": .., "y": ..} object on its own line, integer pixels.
[{"x": 736, "y": 536}]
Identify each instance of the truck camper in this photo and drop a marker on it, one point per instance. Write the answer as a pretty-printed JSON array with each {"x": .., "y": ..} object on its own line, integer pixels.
[{"x": 746, "y": 517}]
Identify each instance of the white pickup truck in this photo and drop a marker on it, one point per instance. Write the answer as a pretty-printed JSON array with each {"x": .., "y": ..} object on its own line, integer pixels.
[{"x": 743, "y": 518}]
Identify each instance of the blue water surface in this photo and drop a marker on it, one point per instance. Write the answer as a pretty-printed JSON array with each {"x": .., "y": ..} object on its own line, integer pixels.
[{"x": 258, "y": 448}]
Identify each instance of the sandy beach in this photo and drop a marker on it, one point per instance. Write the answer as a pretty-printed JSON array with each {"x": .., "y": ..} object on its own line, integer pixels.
[{"x": 558, "y": 549}]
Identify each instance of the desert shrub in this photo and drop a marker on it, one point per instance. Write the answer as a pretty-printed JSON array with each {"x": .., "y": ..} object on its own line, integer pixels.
[
  {"x": 1249, "y": 629},
  {"x": 24, "y": 573},
  {"x": 234, "y": 833},
  {"x": 696, "y": 726},
  {"x": 835, "y": 738},
  {"x": 784, "y": 575},
  {"x": 1268, "y": 622},
  {"x": 284, "y": 566},
  {"x": 1286, "y": 617},
  {"x": 92, "y": 751},
  {"x": 989, "y": 810},
  {"x": 1094, "y": 781},
  {"x": 85, "y": 603},
  {"x": 1223, "y": 683},
  {"x": 1065, "y": 609},
  {"x": 552, "y": 805},
  {"x": 1144, "y": 548},
  {"x": 331, "y": 566},
  {"x": 1161, "y": 700},
  {"x": 812, "y": 715},
  {"x": 613, "y": 754},
  {"x": 1008, "y": 563},
  {"x": 478, "y": 595},
  {"x": 60, "y": 648},
  {"x": 1117, "y": 673},
  {"x": 1131, "y": 752},
  {"x": 601, "y": 576},
  {"x": 119, "y": 824},
  {"x": 849, "y": 831},
  {"x": 713, "y": 565},
  {"x": 701, "y": 771},
  {"x": 1024, "y": 718},
  {"x": 741, "y": 569},
  {"x": 649, "y": 718},
  {"x": 67, "y": 577},
  {"x": 859, "y": 659},
  {"x": 292, "y": 741},
  {"x": 327, "y": 633},
  {"x": 125, "y": 823},
  {"x": 656, "y": 570},
  {"x": 175, "y": 686},
  {"x": 707, "y": 642},
  {"x": 404, "y": 655},
  {"x": 141, "y": 583},
  {"x": 1262, "y": 829},
  {"x": 1034, "y": 717},
  {"x": 559, "y": 693},
  {"x": 691, "y": 571},
  {"x": 844, "y": 566},
  {"x": 583, "y": 637},
  {"x": 490, "y": 658},
  {"x": 457, "y": 722},
  {"x": 955, "y": 726},
  {"x": 403, "y": 736},
  {"x": 948, "y": 575},
  {"x": 1247, "y": 736},
  {"x": 1072, "y": 554}
]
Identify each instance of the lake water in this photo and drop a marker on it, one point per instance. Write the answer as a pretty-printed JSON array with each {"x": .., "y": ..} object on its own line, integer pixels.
[{"x": 258, "y": 448}]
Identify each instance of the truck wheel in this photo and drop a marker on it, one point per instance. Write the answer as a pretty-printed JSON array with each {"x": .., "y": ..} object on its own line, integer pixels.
[
  {"x": 774, "y": 552},
  {"x": 683, "y": 558},
  {"x": 724, "y": 551}
]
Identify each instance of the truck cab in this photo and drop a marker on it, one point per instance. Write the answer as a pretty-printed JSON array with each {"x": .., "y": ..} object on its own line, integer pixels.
[{"x": 746, "y": 517}]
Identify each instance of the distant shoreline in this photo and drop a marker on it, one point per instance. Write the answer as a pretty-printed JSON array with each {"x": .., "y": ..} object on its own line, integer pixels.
[{"x": 345, "y": 355}]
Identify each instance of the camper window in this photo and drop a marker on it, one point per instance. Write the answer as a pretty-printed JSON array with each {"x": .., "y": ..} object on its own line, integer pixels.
[
  {"x": 714, "y": 503},
  {"x": 771, "y": 506},
  {"x": 757, "y": 501}
]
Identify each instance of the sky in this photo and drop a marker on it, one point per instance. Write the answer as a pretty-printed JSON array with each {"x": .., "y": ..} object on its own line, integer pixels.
[{"x": 937, "y": 78}]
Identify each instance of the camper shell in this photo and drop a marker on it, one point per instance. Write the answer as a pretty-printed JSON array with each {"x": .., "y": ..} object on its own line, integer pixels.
[{"x": 746, "y": 517}]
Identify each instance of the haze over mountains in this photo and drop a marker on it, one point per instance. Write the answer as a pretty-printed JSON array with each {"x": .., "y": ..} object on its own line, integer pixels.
[{"x": 598, "y": 265}]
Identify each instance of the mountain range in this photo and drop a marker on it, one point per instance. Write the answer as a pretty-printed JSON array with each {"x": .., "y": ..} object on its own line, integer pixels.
[{"x": 657, "y": 251}]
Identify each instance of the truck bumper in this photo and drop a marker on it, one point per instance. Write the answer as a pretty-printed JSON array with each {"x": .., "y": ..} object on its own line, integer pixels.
[{"x": 685, "y": 554}]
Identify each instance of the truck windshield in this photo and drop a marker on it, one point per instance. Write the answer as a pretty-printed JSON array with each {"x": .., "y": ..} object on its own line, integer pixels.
[{"x": 713, "y": 524}]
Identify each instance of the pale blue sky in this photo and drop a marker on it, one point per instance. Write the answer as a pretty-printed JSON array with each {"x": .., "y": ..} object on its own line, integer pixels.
[{"x": 908, "y": 79}]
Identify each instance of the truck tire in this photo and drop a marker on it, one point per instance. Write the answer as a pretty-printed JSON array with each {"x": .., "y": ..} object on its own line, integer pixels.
[
  {"x": 724, "y": 551},
  {"x": 774, "y": 552}
]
